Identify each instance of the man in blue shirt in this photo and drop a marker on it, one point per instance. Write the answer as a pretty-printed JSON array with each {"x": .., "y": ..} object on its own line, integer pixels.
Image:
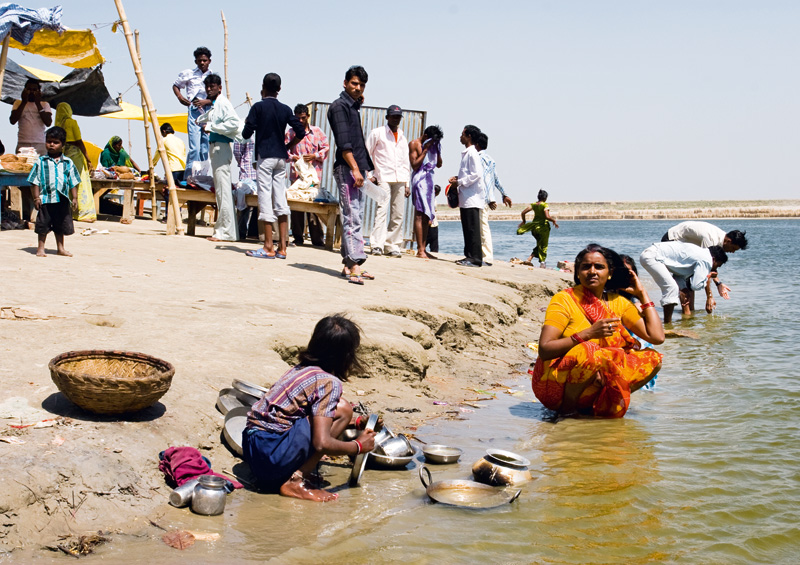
[
  {"x": 349, "y": 168},
  {"x": 492, "y": 182},
  {"x": 268, "y": 118}
]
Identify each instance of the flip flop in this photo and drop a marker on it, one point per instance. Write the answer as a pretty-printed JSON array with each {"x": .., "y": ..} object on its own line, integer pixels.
[
  {"x": 280, "y": 255},
  {"x": 260, "y": 254},
  {"x": 367, "y": 276},
  {"x": 355, "y": 279}
]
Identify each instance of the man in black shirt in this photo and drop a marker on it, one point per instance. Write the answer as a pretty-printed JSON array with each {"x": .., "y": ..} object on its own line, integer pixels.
[
  {"x": 268, "y": 118},
  {"x": 349, "y": 168}
]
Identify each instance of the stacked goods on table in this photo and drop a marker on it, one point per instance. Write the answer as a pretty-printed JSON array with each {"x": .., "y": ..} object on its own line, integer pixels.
[
  {"x": 17, "y": 163},
  {"x": 118, "y": 172}
]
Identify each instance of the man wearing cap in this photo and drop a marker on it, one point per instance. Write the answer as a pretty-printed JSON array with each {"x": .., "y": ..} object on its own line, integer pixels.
[{"x": 388, "y": 148}]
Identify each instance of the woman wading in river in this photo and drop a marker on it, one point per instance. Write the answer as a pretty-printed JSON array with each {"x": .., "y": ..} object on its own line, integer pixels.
[{"x": 588, "y": 362}]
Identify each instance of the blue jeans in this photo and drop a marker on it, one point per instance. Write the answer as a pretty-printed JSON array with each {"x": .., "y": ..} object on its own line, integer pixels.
[
  {"x": 198, "y": 141},
  {"x": 351, "y": 204}
]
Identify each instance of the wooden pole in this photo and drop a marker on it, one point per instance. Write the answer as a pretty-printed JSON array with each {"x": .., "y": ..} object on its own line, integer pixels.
[
  {"x": 225, "y": 29},
  {"x": 174, "y": 223},
  {"x": 249, "y": 100},
  {"x": 146, "y": 121}
]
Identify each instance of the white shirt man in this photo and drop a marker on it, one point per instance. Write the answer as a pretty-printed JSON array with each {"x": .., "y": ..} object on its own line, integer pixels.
[
  {"x": 471, "y": 187},
  {"x": 388, "y": 148},
  {"x": 698, "y": 233}
]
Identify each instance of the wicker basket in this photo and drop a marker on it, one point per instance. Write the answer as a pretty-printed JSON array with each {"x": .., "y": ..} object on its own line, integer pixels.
[{"x": 111, "y": 382}]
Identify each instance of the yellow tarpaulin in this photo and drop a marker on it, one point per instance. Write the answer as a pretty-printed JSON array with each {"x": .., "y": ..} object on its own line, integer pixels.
[
  {"x": 76, "y": 48},
  {"x": 131, "y": 112}
]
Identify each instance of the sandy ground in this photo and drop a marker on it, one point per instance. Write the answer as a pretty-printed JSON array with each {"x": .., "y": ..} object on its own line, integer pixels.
[{"x": 431, "y": 331}]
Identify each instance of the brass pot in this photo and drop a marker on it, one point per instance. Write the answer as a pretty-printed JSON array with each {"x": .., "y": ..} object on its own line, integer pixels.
[{"x": 500, "y": 468}]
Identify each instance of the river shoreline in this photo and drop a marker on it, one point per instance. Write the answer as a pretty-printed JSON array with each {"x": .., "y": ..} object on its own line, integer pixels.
[
  {"x": 655, "y": 210},
  {"x": 433, "y": 331}
]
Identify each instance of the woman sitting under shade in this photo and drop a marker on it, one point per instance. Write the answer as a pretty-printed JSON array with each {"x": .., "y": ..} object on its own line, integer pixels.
[
  {"x": 588, "y": 362},
  {"x": 114, "y": 155}
]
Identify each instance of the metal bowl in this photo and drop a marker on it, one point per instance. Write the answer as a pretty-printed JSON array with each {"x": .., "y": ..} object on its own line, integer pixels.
[
  {"x": 441, "y": 454},
  {"x": 386, "y": 462},
  {"x": 398, "y": 446}
]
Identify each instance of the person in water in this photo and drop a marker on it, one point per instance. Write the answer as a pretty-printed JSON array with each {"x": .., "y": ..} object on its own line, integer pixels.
[
  {"x": 300, "y": 418},
  {"x": 539, "y": 228},
  {"x": 588, "y": 361}
]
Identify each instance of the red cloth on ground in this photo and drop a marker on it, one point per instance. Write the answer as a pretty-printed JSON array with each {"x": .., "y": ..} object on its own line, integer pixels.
[{"x": 182, "y": 464}]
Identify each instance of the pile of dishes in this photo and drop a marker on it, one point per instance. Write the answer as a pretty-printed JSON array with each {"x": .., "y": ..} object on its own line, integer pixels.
[
  {"x": 235, "y": 403},
  {"x": 392, "y": 451}
]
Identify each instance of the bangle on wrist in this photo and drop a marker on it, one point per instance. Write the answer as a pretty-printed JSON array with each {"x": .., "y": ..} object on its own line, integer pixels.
[
  {"x": 717, "y": 282},
  {"x": 358, "y": 422},
  {"x": 647, "y": 305},
  {"x": 359, "y": 446},
  {"x": 576, "y": 339}
]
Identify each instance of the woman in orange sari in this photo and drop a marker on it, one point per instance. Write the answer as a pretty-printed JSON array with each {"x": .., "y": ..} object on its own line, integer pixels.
[{"x": 588, "y": 362}]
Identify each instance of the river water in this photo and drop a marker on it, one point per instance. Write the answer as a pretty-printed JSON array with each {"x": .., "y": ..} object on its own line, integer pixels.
[{"x": 705, "y": 468}]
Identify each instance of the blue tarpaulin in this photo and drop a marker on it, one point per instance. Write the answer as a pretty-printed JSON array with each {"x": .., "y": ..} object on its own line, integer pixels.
[{"x": 23, "y": 22}]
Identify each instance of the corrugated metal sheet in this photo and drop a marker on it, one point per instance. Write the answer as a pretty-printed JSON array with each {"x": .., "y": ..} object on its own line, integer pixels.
[{"x": 372, "y": 117}]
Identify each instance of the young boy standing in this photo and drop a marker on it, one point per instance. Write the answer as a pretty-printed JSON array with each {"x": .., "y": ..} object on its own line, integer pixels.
[{"x": 54, "y": 186}]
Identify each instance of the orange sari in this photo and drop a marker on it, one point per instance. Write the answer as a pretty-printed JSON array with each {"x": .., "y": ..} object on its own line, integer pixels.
[{"x": 614, "y": 357}]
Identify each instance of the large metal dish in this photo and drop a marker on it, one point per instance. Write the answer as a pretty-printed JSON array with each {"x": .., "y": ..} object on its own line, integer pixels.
[
  {"x": 249, "y": 388},
  {"x": 385, "y": 462},
  {"x": 441, "y": 454},
  {"x": 466, "y": 494},
  {"x": 228, "y": 400},
  {"x": 235, "y": 422},
  {"x": 361, "y": 458}
]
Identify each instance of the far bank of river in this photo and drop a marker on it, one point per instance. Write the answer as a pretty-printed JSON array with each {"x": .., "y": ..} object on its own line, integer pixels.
[{"x": 655, "y": 210}]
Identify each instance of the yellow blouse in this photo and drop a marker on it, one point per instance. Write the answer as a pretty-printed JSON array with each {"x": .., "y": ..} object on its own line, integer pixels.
[{"x": 566, "y": 315}]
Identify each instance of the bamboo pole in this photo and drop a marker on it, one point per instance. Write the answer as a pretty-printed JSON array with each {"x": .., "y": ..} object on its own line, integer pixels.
[
  {"x": 3, "y": 59},
  {"x": 225, "y": 29},
  {"x": 249, "y": 100},
  {"x": 174, "y": 224},
  {"x": 146, "y": 120}
]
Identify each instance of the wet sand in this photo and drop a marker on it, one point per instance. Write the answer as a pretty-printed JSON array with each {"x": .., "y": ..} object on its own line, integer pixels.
[{"x": 432, "y": 330}]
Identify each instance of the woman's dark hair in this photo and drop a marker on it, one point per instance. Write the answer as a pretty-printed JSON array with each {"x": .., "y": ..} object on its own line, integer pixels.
[
  {"x": 738, "y": 238},
  {"x": 333, "y": 346},
  {"x": 619, "y": 276},
  {"x": 482, "y": 141},
  {"x": 542, "y": 196},
  {"x": 301, "y": 109},
  {"x": 213, "y": 78},
  {"x": 167, "y": 129},
  {"x": 472, "y": 132},
  {"x": 202, "y": 51},
  {"x": 434, "y": 133},
  {"x": 58, "y": 133},
  {"x": 271, "y": 82},
  {"x": 628, "y": 261},
  {"x": 718, "y": 255},
  {"x": 356, "y": 71}
]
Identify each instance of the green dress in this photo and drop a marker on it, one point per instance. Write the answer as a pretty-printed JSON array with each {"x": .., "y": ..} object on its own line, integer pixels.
[{"x": 540, "y": 230}]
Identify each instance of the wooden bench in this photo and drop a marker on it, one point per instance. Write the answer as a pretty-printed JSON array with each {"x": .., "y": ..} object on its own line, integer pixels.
[{"x": 328, "y": 212}]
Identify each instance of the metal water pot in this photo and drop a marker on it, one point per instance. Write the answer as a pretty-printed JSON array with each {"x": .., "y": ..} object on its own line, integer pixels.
[
  {"x": 501, "y": 468},
  {"x": 209, "y": 495}
]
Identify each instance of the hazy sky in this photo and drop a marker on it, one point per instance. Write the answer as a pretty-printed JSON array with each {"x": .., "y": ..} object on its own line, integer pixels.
[{"x": 591, "y": 100}]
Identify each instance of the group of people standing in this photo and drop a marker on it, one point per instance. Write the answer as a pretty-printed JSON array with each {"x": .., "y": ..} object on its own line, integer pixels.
[{"x": 400, "y": 168}]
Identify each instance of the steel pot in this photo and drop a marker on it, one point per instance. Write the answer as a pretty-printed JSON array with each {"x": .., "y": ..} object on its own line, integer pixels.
[
  {"x": 209, "y": 495},
  {"x": 499, "y": 467}
]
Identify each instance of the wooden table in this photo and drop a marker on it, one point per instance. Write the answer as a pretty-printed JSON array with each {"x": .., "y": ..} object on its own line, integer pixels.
[
  {"x": 129, "y": 187},
  {"x": 328, "y": 212}
]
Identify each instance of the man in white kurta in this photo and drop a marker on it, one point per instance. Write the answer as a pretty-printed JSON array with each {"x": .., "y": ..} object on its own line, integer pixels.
[
  {"x": 388, "y": 148},
  {"x": 224, "y": 126}
]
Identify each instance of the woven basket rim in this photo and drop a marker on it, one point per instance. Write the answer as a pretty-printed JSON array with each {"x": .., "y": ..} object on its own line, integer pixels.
[{"x": 165, "y": 367}]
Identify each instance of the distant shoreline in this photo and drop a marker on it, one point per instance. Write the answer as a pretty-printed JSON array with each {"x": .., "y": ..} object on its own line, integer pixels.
[{"x": 655, "y": 210}]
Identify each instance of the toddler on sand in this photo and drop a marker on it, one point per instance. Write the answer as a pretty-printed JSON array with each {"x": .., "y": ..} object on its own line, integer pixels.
[{"x": 54, "y": 181}]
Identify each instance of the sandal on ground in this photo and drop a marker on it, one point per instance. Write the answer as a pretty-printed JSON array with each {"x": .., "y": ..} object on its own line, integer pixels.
[
  {"x": 280, "y": 255},
  {"x": 365, "y": 275},
  {"x": 260, "y": 254},
  {"x": 355, "y": 279}
]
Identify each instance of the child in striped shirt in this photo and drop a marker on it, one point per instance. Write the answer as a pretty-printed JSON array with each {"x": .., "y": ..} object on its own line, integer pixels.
[{"x": 54, "y": 186}]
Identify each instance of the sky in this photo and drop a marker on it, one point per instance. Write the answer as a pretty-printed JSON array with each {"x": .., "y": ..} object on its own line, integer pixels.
[{"x": 590, "y": 100}]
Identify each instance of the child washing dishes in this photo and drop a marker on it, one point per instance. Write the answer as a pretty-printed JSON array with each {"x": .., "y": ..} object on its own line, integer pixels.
[{"x": 301, "y": 416}]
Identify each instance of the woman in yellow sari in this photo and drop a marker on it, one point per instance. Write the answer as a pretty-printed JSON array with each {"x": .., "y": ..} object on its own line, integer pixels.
[
  {"x": 588, "y": 362},
  {"x": 76, "y": 151}
]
